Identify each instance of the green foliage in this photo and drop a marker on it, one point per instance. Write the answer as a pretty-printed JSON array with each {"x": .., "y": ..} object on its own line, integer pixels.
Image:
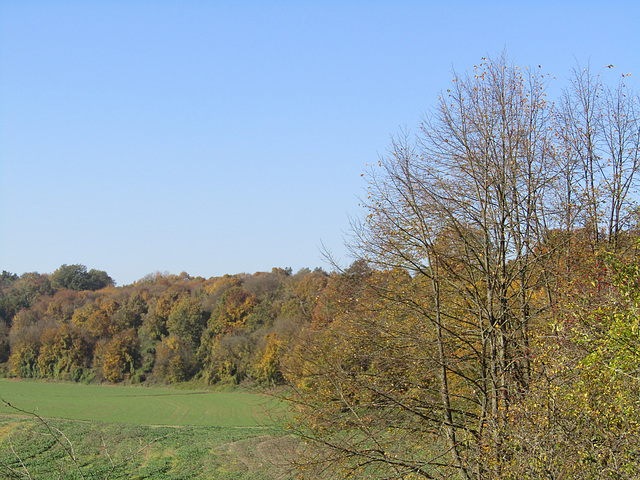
[
  {"x": 584, "y": 404},
  {"x": 17, "y": 293},
  {"x": 5, "y": 347},
  {"x": 187, "y": 320},
  {"x": 76, "y": 277},
  {"x": 125, "y": 452},
  {"x": 130, "y": 314}
]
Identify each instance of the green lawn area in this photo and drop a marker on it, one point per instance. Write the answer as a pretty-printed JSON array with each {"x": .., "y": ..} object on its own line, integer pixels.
[
  {"x": 138, "y": 433},
  {"x": 138, "y": 405}
]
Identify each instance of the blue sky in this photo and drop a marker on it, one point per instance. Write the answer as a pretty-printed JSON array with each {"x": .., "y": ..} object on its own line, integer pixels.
[{"x": 226, "y": 137}]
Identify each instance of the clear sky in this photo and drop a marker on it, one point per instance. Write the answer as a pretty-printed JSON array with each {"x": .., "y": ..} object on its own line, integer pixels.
[{"x": 223, "y": 137}]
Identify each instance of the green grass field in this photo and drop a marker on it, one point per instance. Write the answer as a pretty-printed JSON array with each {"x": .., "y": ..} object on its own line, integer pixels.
[
  {"x": 139, "y": 405},
  {"x": 138, "y": 433}
]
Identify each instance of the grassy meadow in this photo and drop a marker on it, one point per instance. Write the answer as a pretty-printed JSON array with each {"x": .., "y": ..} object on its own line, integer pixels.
[{"x": 116, "y": 432}]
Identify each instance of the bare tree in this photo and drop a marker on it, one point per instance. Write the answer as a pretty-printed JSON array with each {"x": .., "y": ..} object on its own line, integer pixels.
[
  {"x": 600, "y": 145},
  {"x": 466, "y": 207},
  {"x": 461, "y": 209},
  {"x": 466, "y": 224}
]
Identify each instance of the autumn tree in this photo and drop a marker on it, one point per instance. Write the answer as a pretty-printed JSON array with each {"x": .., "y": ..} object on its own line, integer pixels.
[
  {"x": 581, "y": 416},
  {"x": 24, "y": 340},
  {"x": 485, "y": 210},
  {"x": 155, "y": 328},
  {"x": 298, "y": 301},
  {"x": 231, "y": 312},
  {"x": 120, "y": 356},
  {"x": 96, "y": 318},
  {"x": 463, "y": 208},
  {"x": 227, "y": 357},
  {"x": 226, "y": 349},
  {"x": 131, "y": 313},
  {"x": 65, "y": 352},
  {"x": 366, "y": 380},
  {"x": 175, "y": 360},
  {"x": 267, "y": 367}
]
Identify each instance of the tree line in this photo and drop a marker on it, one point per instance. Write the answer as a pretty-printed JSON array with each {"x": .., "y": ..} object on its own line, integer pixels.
[{"x": 76, "y": 325}]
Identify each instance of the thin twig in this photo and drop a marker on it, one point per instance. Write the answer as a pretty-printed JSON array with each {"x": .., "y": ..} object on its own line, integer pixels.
[{"x": 15, "y": 454}]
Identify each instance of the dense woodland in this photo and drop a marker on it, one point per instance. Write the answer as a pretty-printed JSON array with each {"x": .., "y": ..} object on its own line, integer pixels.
[
  {"x": 76, "y": 325},
  {"x": 489, "y": 328}
]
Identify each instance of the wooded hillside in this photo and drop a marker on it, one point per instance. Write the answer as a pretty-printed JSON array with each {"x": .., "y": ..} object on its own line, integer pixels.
[{"x": 163, "y": 328}]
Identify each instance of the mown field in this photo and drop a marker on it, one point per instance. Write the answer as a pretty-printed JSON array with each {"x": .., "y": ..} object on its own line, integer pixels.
[{"x": 100, "y": 432}]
